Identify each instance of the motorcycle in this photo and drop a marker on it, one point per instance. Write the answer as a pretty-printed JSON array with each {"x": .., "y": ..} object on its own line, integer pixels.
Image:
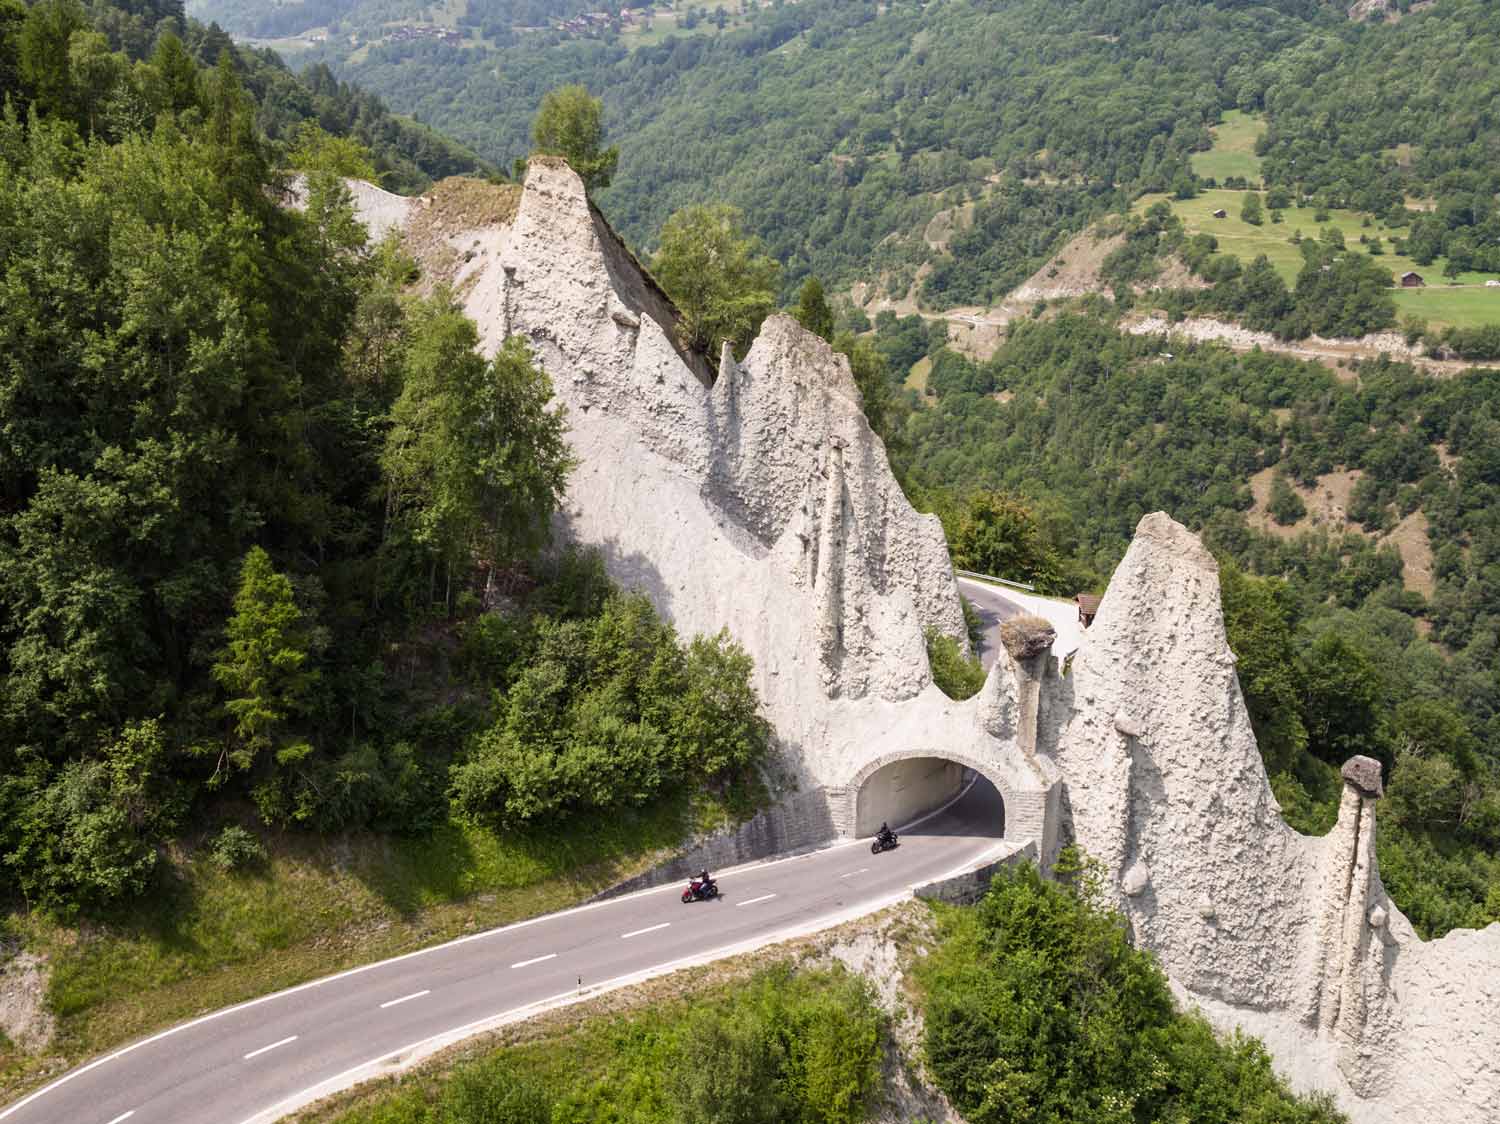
[
  {"x": 700, "y": 891},
  {"x": 886, "y": 842}
]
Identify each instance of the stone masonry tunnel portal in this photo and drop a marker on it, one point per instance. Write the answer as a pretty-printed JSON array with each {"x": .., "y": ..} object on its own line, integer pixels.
[{"x": 909, "y": 788}]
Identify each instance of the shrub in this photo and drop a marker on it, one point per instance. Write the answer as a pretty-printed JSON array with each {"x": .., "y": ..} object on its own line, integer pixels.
[
  {"x": 1039, "y": 1009},
  {"x": 491, "y": 1093},
  {"x": 957, "y": 676},
  {"x": 234, "y": 848}
]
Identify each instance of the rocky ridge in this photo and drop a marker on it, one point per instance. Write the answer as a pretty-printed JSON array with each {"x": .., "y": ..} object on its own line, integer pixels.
[{"x": 759, "y": 501}]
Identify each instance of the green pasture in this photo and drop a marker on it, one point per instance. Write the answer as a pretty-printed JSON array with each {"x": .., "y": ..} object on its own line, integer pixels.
[
  {"x": 1466, "y": 304},
  {"x": 1233, "y": 153}
]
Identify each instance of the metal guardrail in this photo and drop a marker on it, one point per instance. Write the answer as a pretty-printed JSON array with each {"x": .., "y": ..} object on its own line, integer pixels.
[{"x": 991, "y": 578}]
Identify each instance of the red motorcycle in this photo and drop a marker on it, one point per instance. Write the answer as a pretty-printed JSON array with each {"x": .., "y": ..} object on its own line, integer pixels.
[{"x": 700, "y": 891}]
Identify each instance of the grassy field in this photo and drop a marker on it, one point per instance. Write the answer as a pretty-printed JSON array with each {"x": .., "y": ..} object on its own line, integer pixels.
[
  {"x": 1467, "y": 304},
  {"x": 916, "y": 378},
  {"x": 664, "y": 23},
  {"x": 628, "y": 1065},
  {"x": 1233, "y": 153},
  {"x": 1440, "y": 305},
  {"x": 207, "y": 939}
]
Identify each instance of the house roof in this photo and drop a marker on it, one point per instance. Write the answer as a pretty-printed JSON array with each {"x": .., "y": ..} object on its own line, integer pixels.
[{"x": 1089, "y": 602}]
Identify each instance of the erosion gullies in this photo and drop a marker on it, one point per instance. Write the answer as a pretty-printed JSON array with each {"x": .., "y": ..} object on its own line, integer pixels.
[
  {"x": 1290, "y": 937},
  {"x": 758, "y": 500}
]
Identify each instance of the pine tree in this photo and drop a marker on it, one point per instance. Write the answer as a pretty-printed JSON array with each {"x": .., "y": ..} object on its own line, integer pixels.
[
  {"x": 812, "y": 310},
  {"x": 264, "y": 668}
]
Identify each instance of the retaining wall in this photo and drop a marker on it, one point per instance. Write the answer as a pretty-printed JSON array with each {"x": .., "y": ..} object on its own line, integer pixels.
[
  {"x": 969, "y": 886},
  {"x": 796, "y": 824}
]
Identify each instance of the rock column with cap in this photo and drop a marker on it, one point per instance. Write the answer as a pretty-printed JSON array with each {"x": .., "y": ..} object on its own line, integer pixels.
[{"x": 1346, "y": 982}]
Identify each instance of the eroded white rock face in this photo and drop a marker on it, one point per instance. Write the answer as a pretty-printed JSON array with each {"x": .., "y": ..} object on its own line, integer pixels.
[{"x": 761, "y": 502}]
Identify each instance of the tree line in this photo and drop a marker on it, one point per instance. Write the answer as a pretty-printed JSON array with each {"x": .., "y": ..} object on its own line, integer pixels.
[{"x": 255, "y": 494}]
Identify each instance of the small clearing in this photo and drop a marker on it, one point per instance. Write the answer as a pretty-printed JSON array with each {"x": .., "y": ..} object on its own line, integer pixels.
[
  {"x": 1328, "y": 507},
  {"x": 1071, "y": 272},
  {"x": 1233, "y": 152},
  {"x": 1327, "y": 503}
]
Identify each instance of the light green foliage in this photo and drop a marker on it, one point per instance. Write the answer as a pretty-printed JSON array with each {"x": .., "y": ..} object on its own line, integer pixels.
[
  {"x": 1037, "y": 1008},
  {"x": 721, "y": 282},
  {"x": 475, "y": 459},
  {"x": 605, "y": 712},
  {"x": 999, "y": 534},
  {"x": 264, "y": 669},
  {"x": 234, "y": 848},
  {"x": 313, "y": 150},
  {"x": 957, "y": 675},
  {"x": 570, "y": 124}
]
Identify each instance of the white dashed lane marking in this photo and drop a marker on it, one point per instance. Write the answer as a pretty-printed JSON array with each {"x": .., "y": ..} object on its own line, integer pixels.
[
  {"x": 752, "y": 901},
  {"x": 647, "y": 929},
  {"x": 534, "y": 960},
  {"x": 257, "y": 1053},
  {"x": 123, "y": 1117},
  {"x": 852, "y": 873},
  {"x": 405, "y": 998}
]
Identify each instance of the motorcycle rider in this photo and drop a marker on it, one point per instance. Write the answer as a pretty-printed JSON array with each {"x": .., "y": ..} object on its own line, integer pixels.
[
  {"x": 703, "y": 879},
  {"x": 884, "y": 833}
]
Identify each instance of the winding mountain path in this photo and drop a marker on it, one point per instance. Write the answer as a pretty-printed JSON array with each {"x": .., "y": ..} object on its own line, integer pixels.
[{"x": 257, "y": 1061}]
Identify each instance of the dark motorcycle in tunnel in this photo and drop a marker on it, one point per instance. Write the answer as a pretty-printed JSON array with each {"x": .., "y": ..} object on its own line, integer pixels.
[{"x": 885, "y": 841}]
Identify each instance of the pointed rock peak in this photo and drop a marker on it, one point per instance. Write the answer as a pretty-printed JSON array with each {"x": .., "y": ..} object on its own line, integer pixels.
[
  {"x": 552, "y": 175},
  {"x": 726, "y": 361},
  {"x": 784, "y": 344},
  {"x": 1166, "y": 588},
  {"x": 1159, "y": 531}
]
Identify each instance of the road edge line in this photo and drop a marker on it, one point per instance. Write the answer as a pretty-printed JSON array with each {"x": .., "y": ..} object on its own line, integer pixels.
[
  {"x": 401, "y": 1060},
  {"x": 90, "y": 1066}
]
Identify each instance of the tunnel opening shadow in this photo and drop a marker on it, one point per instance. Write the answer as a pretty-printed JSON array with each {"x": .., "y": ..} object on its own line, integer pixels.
[{"x": 930, "y": 796}]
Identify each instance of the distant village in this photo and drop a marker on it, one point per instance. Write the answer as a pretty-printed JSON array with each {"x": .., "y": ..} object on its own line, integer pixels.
[
  {"x": 602, "y": 21},
  {"x": 407, "y": 33}
]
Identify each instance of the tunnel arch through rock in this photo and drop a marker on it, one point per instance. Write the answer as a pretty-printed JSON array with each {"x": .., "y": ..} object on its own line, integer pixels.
[{"x": 905, "y": 785}]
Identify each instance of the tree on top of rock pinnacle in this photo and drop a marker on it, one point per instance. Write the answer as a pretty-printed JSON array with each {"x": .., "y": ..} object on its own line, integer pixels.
[{"x": 570, "y": 124}]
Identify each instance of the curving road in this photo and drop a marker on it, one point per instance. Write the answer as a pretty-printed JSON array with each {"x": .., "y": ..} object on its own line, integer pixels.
[
  {"x": 253, "y": 1062},
  {"x": 997, "y": 604}
]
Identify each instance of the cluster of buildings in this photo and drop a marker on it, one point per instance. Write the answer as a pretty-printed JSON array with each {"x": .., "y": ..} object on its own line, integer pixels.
[
  {"x": 601, "y": 21},
  {"x": 409, "y": 32}
]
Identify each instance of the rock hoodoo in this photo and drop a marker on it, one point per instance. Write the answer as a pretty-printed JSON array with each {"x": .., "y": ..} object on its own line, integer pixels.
[{"x": 760, "y": 501}]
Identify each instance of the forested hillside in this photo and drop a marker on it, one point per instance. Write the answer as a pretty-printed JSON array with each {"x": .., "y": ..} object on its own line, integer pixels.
[
  {"x": 835, "y": 125},
  {"x": 842, "y": 130},
  {"x": 1363, "y": 628},
  {"x": 252, "y": 495}
]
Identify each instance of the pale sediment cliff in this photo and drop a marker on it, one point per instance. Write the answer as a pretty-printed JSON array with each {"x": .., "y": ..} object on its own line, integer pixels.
[{"x": 760, "y": 501}]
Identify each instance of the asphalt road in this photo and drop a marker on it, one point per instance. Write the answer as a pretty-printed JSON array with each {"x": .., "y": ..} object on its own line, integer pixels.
[
  {"x": 240, "y": 1064},
  {"x": 996, "y": 604}
]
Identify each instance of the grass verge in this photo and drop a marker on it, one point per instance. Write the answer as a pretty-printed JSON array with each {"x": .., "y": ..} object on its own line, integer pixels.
[{"x": 206, "y": 939}]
